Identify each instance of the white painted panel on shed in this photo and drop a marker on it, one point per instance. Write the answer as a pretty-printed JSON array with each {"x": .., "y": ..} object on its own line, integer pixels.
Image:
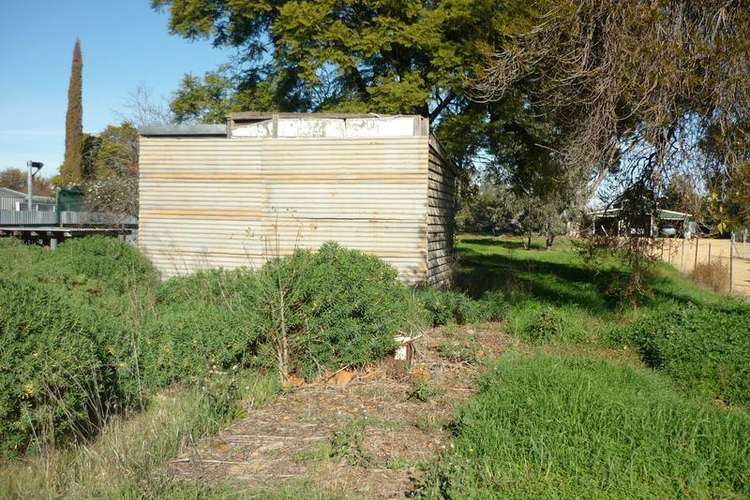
[
  {"x": 392, "y": 126},
  {"x": 322, "y": 127},
  {"x": 375, "y": 126},
  {"x": 254, "y": 129}
]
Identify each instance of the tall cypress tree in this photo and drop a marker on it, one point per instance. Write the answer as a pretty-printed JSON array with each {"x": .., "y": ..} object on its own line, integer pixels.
[{"x": 71, "y": 168}]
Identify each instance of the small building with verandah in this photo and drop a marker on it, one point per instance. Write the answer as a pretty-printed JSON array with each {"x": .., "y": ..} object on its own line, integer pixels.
[
  {"x": 265, "y": 184},
  {"x": 609, "y": 222}
]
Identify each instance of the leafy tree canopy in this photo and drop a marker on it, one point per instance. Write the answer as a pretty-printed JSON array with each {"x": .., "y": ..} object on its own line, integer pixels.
[
  {"x": 15, "y": 178},
  {"x": 639, "y": 89},
  {"x": 384, "y": 56},
  {"x": 110, "y": 169}
]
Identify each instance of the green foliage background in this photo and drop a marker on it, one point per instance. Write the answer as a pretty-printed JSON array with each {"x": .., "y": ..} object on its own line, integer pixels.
[
  {"x": 88, "y": 331},
  {"x": 411, "y": 57}
]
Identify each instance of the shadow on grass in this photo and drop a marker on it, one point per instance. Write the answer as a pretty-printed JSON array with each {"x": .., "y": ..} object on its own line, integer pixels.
[
  {"x": 507, "y": 244},
  {"x": 526, "y": 278},
  {"x": 558, "y": 278}
]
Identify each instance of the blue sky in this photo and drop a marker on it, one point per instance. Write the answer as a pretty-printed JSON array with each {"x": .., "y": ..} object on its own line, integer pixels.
[{"x": 125, "y": 44}]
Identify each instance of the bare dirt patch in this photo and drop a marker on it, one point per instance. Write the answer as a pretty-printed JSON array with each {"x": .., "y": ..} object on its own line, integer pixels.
[{"x": 367, "y": 438}]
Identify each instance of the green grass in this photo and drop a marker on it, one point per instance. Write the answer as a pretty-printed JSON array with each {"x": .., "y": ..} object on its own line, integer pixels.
[
  {"x": 561, "y": 277},
  {"x": 600, "y": 399},
  {"x": 699, "y": 338},
  {"x": 128, "y": 457},
  {"x": 556, "y": 426}
]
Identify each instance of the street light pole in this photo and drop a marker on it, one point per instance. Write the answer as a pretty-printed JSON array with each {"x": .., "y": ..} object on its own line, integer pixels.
[{"x": 30, "y": 182}]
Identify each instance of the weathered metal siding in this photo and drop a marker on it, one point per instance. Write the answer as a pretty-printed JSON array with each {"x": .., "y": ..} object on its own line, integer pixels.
[
  {"x": 217, "y": 202},
  {"x": 201, "y": 203},
  {"x": 441, "y": 212}
]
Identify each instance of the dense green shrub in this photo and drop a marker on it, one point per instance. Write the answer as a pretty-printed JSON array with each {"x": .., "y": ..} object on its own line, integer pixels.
[
  {"x": 208, "y": 321},
  {"x": 704, "y": 348},
  {"x": 56, "y": 380},
  {"x": 445, "y": 306},
  {"x": 180, "y": 343},
  {"x": 18, "y": 258},
  {"x": 338, "y": 307},
  {"x": 116, "y": 265},
  {"x": 70, "y": 323},
  {"x": 214, "y": 286},
  {"x": 559, "y": 427},
  {"x": 334, "y": 308}
]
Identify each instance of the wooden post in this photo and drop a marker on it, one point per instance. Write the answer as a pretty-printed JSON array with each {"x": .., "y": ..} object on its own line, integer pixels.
[
  {"x": 731, "y": 258},
  {"x": 709, "y": 251},
  {"x": 682, "y": 253},
  {"x": 669, "y": 256},
  {"x": 695, "y": 263}
]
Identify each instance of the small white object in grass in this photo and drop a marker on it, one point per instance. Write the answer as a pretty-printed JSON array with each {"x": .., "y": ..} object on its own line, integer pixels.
[{"x": 404, "y": 346}]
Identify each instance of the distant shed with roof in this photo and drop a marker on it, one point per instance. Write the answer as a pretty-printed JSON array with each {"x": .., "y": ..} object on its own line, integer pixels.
[
  {"x": 12, "y": 200},
  {"x": 609, "y": 222},
  {"x": 266, "y": 184}
]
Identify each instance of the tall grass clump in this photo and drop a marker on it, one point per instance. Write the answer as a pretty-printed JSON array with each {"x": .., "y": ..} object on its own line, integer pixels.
[
  {"x": 713, "y": 275},
  {"x": 560, "y": 427},
  {"x": 536, "y": 322},
  {"x": 448, "y": 306},
  {"x": 704, "y": 348},
  {"x": 127, "y": 459}
]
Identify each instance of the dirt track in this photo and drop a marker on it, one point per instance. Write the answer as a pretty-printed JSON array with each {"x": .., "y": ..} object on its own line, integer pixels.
[
  {"x": 683, "y": 256},
  {"x": 386, "y": 435}
]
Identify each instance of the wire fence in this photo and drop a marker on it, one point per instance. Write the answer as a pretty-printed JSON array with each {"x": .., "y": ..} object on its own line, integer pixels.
[
  {"x": 741, "y": 244},
  {"x": 730, "y": 256}
]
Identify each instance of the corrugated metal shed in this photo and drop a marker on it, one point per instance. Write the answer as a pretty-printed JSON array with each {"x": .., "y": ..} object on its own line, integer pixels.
[{"x": 276, "y": 182}]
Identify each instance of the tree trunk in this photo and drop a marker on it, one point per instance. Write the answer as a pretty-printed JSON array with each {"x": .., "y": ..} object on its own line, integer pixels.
[{"x": 550, "y": 237}]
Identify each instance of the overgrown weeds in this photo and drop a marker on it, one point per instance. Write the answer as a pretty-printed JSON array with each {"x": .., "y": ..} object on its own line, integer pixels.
[
  {"x": 705, "y": 349},
  {"x": 127, "y": 458},
  {"x": 697, "y": 337},
  {"x": 423, "y": 391},
  {"x": 713, "y": 275},
  {"x": 88, "y": 332},
  {"x": 466, "y": 350},
  {"x": 445, "y": 307},
  {"x": 347, "y": 443}
]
